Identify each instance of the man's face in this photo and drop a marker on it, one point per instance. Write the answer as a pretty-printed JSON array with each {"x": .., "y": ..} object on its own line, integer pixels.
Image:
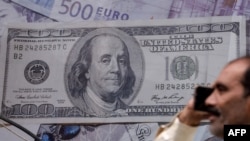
[
  {"x": 108, "y": 70},
  {"x": 228, "y": 98}
]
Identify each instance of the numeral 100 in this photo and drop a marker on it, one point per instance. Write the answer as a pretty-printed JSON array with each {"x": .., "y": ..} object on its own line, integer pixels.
[{"x": 32, "y": 109}]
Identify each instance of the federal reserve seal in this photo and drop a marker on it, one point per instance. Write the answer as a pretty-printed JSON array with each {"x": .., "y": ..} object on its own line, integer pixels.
[
  {"x": 36, "y": 72},
  {"x": 183, "y": 67}
]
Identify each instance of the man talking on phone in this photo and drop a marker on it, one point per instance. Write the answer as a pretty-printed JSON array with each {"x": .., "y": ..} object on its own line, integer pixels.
[{"x": 228, "y": 104}]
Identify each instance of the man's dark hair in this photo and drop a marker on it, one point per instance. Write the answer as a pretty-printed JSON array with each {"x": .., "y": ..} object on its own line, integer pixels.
[
  {"x": 77, "y": 80},
  {"x": 246, "y": 80},
  {"x": 246, "y": 76}
]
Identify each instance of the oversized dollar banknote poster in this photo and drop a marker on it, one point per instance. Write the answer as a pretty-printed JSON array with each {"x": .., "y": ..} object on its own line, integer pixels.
[{"x": 91, "y": 72}]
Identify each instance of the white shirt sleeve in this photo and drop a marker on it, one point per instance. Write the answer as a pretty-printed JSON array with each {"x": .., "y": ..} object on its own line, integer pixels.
[{"x": 176, "y": 131}]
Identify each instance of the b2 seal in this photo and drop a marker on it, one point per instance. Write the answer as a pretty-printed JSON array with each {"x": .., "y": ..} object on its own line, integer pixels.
[
  {"x": 36, "y": 72},
  {"x": 183, "y": 67}
]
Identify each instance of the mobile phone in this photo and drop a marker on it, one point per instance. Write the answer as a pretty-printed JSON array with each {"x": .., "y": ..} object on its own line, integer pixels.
[{"x": 201, "y": 94}]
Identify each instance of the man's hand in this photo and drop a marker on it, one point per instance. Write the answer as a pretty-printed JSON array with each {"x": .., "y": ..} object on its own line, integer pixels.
[{"x": 190, "y": 116}]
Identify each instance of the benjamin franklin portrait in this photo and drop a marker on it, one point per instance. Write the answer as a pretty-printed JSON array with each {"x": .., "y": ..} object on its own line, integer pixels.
[{"x": 104, "y": 72}]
